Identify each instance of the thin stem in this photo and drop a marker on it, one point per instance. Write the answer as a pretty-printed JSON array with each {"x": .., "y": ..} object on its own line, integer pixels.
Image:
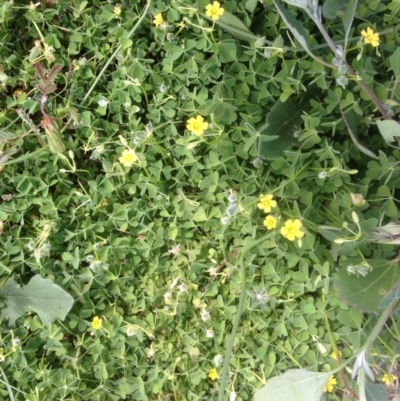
[
  {"x": 133, "y": 30},
  {"x": 350, "y": 71},
  {"x": 236, "y": 321}
]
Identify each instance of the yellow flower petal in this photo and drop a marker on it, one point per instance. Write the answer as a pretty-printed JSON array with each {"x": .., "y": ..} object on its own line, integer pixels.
[
  {"x": 291, "y": 229},
  {"x": 158, "y": 19},
  {"x": 96, "y": 323},
  {"x": 214, "y": 11},
  {"x": 213, "y": 375},
  {"x": 329, "y": 386},
  {"x": 197, "y": 125}
]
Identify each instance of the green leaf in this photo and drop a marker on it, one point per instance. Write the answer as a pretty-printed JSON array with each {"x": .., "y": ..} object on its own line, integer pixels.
[
  {"x": 348, "y": 18},
  {"x": 332, "y": 8},
  {"x": 395, "y": 63},
  {"x": 235, "y": 27},
  {"x": 294, "y": 385},
  {"x": 41, "y": 295},
  {"x": 282, "y": 122},
  {"x": 297, "y": 29},
  {"x": 394, "y": 294},
  {"x": 389, "y": 129},
  {"x": 366, "y": 293},
  {"x": 376, "y": 392}
]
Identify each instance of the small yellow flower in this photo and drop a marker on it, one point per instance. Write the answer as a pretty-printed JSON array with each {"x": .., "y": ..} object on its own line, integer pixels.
[
  {"x": 96, "y": 323},
  {"x": 266, "y": 203},
  {"x": 329, "y": 386},
  {"x": 388, "y": 378},
  {"x": 213, "y": 375},
  {"x": 158, "y": 19},
  {"x": 197, "y": 125},
  {"x": 370, "y": 36},
  {"x": 128, "y": 157},
  {"x": 214, "y": 10},
  {"x": 270, "y": 222},
  {"x": 117, "y": 11},
  {"x": 335, "y": 355},
  {"x": 291, "y": 230}
]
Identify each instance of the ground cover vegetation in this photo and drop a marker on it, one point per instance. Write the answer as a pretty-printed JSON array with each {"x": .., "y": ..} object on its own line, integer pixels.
[{"x": 199, "y": 200}]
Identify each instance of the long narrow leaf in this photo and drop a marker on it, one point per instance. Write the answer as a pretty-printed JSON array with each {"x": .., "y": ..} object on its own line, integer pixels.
[
  {"x": 348, "y": 18},
  {"x": 297, "y": 29}
]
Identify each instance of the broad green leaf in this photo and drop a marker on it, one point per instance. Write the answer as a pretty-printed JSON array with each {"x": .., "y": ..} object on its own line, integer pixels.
[
  {"x": 333, "y": 8},
  {"x": 376, "y": 392},
  {"x": 282, "y": 122},
  {"x": 389, "y": 129},
  {"x": 395, "y": 63},
  {"x": 294, "y": 385},
  {"x": 40, "y": 295},
  {"x": 366, "y": 293},
  {"x": 348, "y": 18}
]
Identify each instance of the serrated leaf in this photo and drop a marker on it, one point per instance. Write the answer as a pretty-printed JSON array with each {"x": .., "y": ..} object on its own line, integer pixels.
[
  {"x": 366, "y": 293},
  {"x": 282, "y": 122},
  {"x": 389, "y": 129},
  {"x": 294, "y": 385},
  {"x": 376, "y": 392},
  {"x": 40, "y": 295}
]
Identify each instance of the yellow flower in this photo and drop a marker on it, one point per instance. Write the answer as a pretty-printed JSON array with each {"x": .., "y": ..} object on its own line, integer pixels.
[
  {"x": 158, "y": 19},
  {"x": 292, "y": 229},
  {"x": 270, "y": 222},
  {"x": 388, "y": 378},
  {"x": 96, "y": 322},
  {"x": 329, "y": 386},
  {"x": 335, "y": 355},
  {"x": 128, "y": 157},
  {"x": 213, "y": 375},
  {"x": 266, "y": 203},
  {"x": 117, "y": 11},
  {"x": 214, "y": 10},
  {"x": 196, "y": 125},
  {"x": 370, "y": 36}
]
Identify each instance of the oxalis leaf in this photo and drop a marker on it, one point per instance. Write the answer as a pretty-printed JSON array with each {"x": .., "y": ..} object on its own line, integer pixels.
[
  {"x": 41, "y": 295},
  {"x": 366, "y": 293},
  {"x": 282, "y": 122},
  {"x": 294, "y": 385}
]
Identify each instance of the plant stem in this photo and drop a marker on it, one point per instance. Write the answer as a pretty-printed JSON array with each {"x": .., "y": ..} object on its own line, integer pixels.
[
  {"x": 350, "y": 71},
  {"x": 133, "y": 30},
  {"x": 225, "y": 368}
]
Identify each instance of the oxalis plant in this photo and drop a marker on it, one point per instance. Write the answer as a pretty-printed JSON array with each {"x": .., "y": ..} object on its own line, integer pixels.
[
  {"x": 374, "y": 286},
  {"x": 116, "y": 209}
]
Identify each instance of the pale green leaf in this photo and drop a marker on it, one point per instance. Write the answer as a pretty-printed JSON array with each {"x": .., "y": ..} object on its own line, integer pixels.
[
  {"x": 376, "y": 392},
  {"x": 389, "y": 130},
  {"x": 294, "y": 385},
  {"x": 366, "y": 293},
  {"x": 40, "y": 295}
]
